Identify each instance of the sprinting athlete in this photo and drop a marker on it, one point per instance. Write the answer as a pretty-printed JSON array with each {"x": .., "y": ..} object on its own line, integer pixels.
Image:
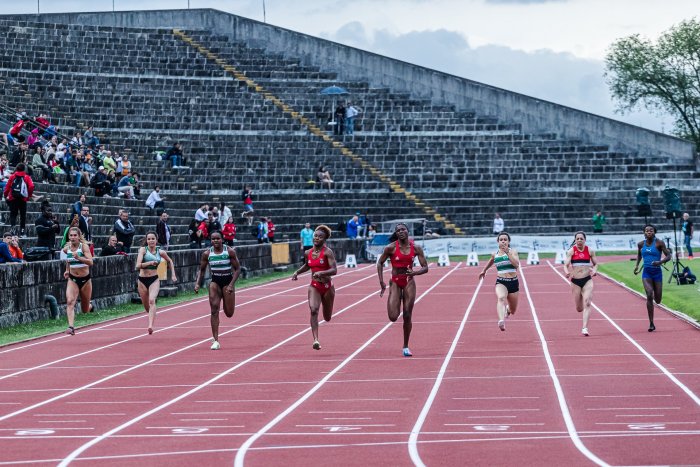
[
  {"x": 78, "y": 262},
  {"x": 650, "y": 250},
  {"x": 584, "y": 266},
  {"x": 402, "y": 288},
  {"x": 149, "y": 257},
  {"x": 507, "y": 285},
  {"x": 321, "y": 261},
  {"x": 225, "y": 268}
]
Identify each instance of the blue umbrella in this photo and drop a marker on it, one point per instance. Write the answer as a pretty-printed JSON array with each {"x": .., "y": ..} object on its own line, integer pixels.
[{"x": 334, "y": 91}]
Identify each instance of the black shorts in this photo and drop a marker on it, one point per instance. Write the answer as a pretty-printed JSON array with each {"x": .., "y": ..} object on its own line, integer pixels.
[
  {"x": 580, "y": 282},
  {"x": 510, "y": 283},
  {"x": 148, "y": 281},
  {"x": 79, "y": 281},
  {"x": 222, "y": 280}
]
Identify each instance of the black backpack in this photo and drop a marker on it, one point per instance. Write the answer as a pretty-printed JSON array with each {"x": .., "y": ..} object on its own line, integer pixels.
[{"x": 19, "y": 188}]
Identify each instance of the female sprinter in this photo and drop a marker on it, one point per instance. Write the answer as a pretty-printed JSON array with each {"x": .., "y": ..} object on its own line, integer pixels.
[
  {"x": 321, "y": 260},
  {"x": 650, "y": 250},
  {"x": 583, "y": 266},
  {"x": 149, "y": 257},
  {"x": 402, "y": 288},
  {"x": 225, "y": 268},
  {"x": 507, "y": 264},
  {"x": 78, "y": 262}
]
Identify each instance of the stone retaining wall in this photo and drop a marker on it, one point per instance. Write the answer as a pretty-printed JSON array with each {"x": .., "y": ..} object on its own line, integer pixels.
[{"x": 23, "y": 287}]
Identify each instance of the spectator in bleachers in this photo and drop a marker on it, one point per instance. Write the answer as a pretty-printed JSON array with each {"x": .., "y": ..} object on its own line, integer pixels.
[
  {"x": 124, "y": 230},
  {"x": 17, "y": 192},
  {"x": 85, "y": 225},
  {"x": 77, "y": 140},
  {"x": 109, "y": 163},
  {"x": 100, "y": 182},
  {"x": 498, "y": 224},
  {"x": 126, "y": 187},
  {"x": 229, "y": 231},
  {"x": 74, "y": 221},
  {"x": 163, "y": 231},
  {"x": 208, "y": 227},
  {"x": 323, "y": 177},
  {"x": 262, "y": 231},
  {"x": 20, "y": 155},
  {"x": 247, "y": 197},
  {"x": 195, "y": 235},
  {"x": 351, "y": 112},
  {"x": 15, "y": 249},
  {"x": 39, "y": 163},
  {"x": 351, "y": 227},
  {"x": 270, "y": 230},
  {"x": 364, "y": 224},
  {"x": 91, "y": 140},
  {"x": 155, "y": 201},
  {"x": 5, "y": 256},
  {"x": 77, "y": 207},
  {"x": 47, "y": 227},
  {"x": 4, "y": 172},
  {"x": 307, "y": 237},
  {"x": 598, "y": 222},
  {"x": 371, "y": 231},
  {"x": 43, "y": 124},
  {"x": 33, "y": 138},
  {"x": 215, "y": 212},
  {"x": 136, "y": 182},
  {"x": 225, "y": 214},
  {"x": 200, "y": 214},
  {"x": 174, "y": 155},
  {"x": 112, "y": 248},
  {"x": 125, "y": 165},
  {"x": 16, "y": 130},
  {"x": 339, "y": 127}
]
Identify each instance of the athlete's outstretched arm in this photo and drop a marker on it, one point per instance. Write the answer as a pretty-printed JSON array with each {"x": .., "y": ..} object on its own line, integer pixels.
[
  {"x": 489, "y": 263},
  {"x": 202, "y": 270}
]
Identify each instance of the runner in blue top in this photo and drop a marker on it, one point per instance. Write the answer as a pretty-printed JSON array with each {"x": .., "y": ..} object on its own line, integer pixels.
[{"x": 650, "y": 250}]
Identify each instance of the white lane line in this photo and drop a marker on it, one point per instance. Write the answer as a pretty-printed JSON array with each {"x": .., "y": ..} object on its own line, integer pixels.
[
  {"x": 353, "y": 411},
  {"x": 563, "y": 406},
  {"x": 68, "y": 459},
  {"x": 203, "y": 419},
  {"x": 415, "y": 431},
  {"x": 367, "y": 399},
  {"x": 163, "y": 310},
  {"x": 493, "y": 410},
  {"x": 495, "y": 398},
  {"x": 143, "y": 364},
  {"x": 480, "y": 424},
  {"x": 112, "y": 402},
  {"x": 658, "y": 365},
  {"x": 665, "y": 423},
  {"x": 344, "y": 424},
  {"x": 240, "y": 455},
  {"x": 347, "y": 418},
  {"x": 237, "y": 401},
  {"x": 492, "y": 416},
  {"x": 632, "y": 395},
  {"x": 637, "y": 408},
  {"x": 632, "y": 415},
  {"x": 208, "y": 413},
  {"x": 62, "y": 421},
  {"x": 77, "y": 414}
]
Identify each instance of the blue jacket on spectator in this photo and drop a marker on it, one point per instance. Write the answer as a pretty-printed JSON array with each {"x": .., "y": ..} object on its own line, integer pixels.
[{"x": 5, "y": 256}]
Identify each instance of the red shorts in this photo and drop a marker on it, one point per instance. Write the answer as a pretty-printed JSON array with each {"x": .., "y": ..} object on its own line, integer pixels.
[
  {"x": 322, "y": 287},
  {"x": 401, "y": 280}
]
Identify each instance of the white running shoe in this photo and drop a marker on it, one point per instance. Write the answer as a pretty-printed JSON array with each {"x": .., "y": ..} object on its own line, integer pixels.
[
  {"x": 407, "y": 352},
  {"x": 502, "y": 325},
  {"x": 317, "y": 345},
  {"x": 215, "y": 345},
  {"x": 584, "y": 331}
]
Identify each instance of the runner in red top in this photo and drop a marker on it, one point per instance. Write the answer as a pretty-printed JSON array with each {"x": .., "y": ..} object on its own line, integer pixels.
[
  {"x": 583, "y": 266},
  {"x": 321, "y": 261},
  {"x": 402, "y": 288}
]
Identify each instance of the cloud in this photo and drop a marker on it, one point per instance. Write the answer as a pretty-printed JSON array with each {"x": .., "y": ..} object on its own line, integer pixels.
[{"x": 561, "y": 78}]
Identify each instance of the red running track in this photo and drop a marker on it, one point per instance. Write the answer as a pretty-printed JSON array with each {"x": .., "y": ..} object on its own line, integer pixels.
[{"x": 537, "y": 394}]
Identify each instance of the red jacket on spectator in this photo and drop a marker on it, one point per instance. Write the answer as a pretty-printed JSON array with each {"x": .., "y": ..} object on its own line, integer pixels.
[
  {"x": 270, "y": 230},
  {"x": 203, "y": 228},
  {"x": 16, "y": 128},
  {"x": 229, "y": 231},
  {"x": 27, "y": 180},
  {"x": 43, "y": 122}
]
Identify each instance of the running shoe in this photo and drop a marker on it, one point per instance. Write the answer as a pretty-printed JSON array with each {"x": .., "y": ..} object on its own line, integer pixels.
[
  {"x": 652, "y": 327},
  {"x": 407, "y": 352},
  {"x": 70, "y": 330},
  {"x": 317, "y": 345},
  {"x": 215, "y": 345},
  {"x": 150, "y": 331},
  {"x": 502, "y": 325},
  {"x": 584, "y": 331}
]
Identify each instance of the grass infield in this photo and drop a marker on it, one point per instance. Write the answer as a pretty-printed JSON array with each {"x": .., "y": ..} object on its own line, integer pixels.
[
  {"x": 22, "y": 332},
  {"x": 682, "y": 298}
]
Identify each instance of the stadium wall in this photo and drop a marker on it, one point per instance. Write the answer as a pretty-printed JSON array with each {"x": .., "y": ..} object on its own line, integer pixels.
[
  {"x": 535, "y": 115},
  {"x": 23, "y": 287}
]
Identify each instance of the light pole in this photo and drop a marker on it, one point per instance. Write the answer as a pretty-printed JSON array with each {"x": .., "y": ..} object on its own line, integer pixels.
[{"x": 38, "y": 8}]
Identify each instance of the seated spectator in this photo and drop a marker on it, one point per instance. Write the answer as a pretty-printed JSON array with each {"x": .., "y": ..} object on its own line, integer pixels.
[
  {"x": 4, "y": 172},
  {"x": 20, "y": 155},
  {"x": 125, "y": 166},
  {"x": 112, "y": 247},
  {"x": 126, "y": 188},
  {"x": 47, "y": 227},
  {"x": 77, "y": 140},
  {"x": 5, "y": 256},
  {"x": 15, "y": 249},
  {"x": 44, "y": 124},
  {"x": 262, "y": 231},
  {"x": 38, "y": 163},
  {"x": 352, "y": 226},
  {"x": 33, "y": 138},
  {"x": 324, "y": 177},
  {"x": 109, "y": 163},
  {"x": 200, "y": 214},
  {"x": 174, "y": 155},
  {"x": 270, "y": 230},
  {"x": 100, "y": 182},
  {"x": 136, "y": 182},
  {"x": 90, "y": 139},
  {"x": 229, "y": 231},
  {"x": 163, "y": 231},
  {"x": 225, "y": 213},
  {"x": 208, "y": 227},
  {"x": 155, "y": 201},
  {"x": 77, "y": 207},
  {"x": 124, "y": 230},
  {"x": 195, "y": 235}
]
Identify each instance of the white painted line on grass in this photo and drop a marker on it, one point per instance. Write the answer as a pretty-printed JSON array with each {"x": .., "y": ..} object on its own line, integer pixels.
[
  {"x": 240, "y": 455},
  {"x": 656, "y": 363},
  {"x": 413, "y": 438}
]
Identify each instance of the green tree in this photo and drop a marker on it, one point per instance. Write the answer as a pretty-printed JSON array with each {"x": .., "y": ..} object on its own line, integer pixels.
[{"x": 662, "y": 77}]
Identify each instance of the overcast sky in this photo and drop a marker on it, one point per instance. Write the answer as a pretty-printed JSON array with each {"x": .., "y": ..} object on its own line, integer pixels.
[{"x": 550, "y": 49}]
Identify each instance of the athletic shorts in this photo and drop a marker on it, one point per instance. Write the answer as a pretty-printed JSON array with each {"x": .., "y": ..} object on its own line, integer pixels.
[
  {"x": 655, "y": 274},
  {"x": 511, "y": 283}
]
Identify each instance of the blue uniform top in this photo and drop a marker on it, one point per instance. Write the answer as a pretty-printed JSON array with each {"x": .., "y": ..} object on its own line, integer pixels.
[{"x": 650, "y": 253}]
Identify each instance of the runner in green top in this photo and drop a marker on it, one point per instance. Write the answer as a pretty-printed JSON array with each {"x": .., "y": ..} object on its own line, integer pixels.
[
  {"x": 225, "y": 268},
  {"x": 507, "y": 264},
  {"x": 147, "y": 261}
]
